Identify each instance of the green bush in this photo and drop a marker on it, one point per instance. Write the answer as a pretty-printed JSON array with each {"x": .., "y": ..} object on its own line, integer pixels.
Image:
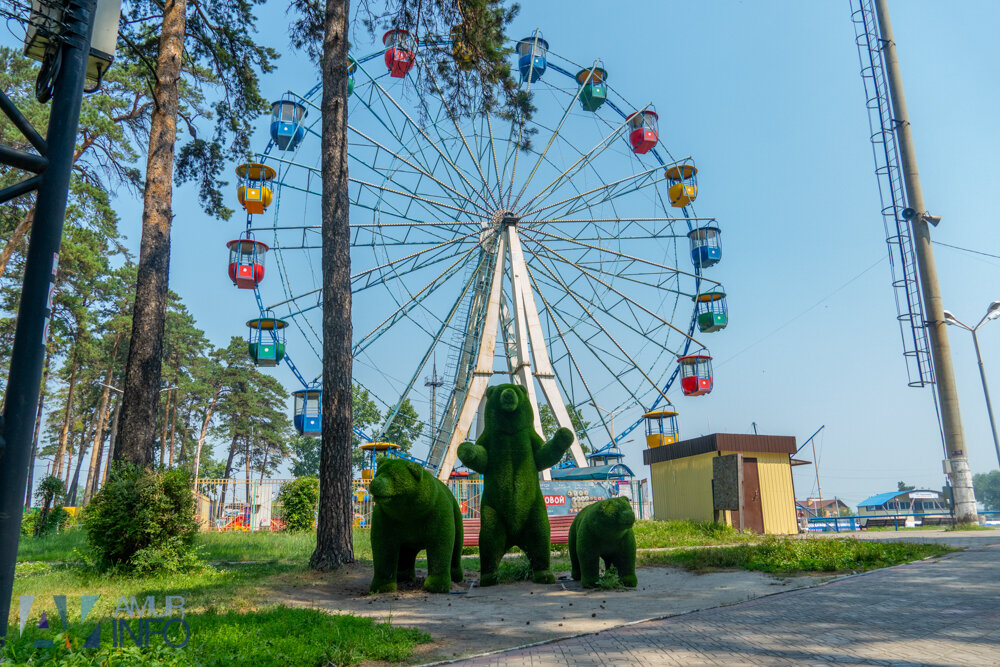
[
  {"x": 299, "y": 500},
  {"x": 57, "y": 521},
  {"x": 49, "y": 489},
  {"x": 28, "y": 520},
  {"x": 143, "y": 520}
]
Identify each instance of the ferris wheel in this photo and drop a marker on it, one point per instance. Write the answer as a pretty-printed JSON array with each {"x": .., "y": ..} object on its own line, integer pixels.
[{"x": 562, "y": 252}]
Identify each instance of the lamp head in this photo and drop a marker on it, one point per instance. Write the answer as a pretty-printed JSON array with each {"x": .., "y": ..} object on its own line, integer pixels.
[
  {"x": 993, "y": 310},
  {"x": 949, "y": 318}
]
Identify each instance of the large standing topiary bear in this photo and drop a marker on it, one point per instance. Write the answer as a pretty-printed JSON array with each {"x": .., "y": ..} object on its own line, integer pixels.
[
  {"x": 509, "y": 455},
  {"x": 414, "y": 511},
  {"x": 603, "y": 530}
]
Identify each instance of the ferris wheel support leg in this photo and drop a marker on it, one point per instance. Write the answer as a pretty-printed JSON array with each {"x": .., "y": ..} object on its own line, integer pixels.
[
  {"x": 529, "y": 326},
  {"x": 483, "y": 369}
]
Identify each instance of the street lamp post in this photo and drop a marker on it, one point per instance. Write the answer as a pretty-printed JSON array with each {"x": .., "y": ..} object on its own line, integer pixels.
[
  {"x": 992, "y": 313},
  {"x": 611, "y": 418}
]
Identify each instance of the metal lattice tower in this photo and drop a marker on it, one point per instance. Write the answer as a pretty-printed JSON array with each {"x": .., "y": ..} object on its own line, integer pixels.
[
  {"x": 434, "y": 382},
  {"x": 905, "y": 283}
]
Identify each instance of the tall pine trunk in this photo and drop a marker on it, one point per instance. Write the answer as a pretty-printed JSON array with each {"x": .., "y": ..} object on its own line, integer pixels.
[
  {"x": 136, "y": 430},
  {"x": 333, "y": 532},
  {"x": 173, "y": 431},
  {"x": 64, "y": 431},
  {"x": 79, "y": 464},
  {"x": 38, "y": 427},
  {"x": 102, "y": 415},
  {"x": 111, "y": 443},
  {"x": 166, "y": 423},
  {"x": 204, "y": 432},
  {"x": 229, "y": 472}
]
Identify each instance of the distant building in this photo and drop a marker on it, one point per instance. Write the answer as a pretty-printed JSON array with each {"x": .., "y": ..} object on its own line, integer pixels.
[
  {"x": 901, "y": 508},
  {"x": 813, "y": 507},
  {"x": 682, "y": 476}
]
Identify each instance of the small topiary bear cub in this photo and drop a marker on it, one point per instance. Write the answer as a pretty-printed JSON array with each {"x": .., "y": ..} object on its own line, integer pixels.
[
  {"x": 603, "y": 530},
  {"x": 414, "y": 511}
]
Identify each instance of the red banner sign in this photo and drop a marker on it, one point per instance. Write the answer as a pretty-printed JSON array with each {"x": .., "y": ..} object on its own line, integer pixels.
[{"x": 554, "y": 500}]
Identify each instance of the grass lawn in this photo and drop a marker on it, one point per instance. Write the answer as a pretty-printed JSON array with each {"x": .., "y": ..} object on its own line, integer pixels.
[
  {"x": 68, "y": 547},
  {"x": 227, "y": 608},
  {"x": 651, "y": 534},
  {"x": 793, "y": 556}
]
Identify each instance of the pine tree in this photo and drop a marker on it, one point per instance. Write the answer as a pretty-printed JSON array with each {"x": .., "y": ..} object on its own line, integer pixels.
[
  {"x": 322, "y": 30},
  {"x": 195, "y": 43}
]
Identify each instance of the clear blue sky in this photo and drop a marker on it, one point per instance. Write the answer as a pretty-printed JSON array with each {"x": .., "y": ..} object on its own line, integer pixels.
[{"x": 767, "y": 98}]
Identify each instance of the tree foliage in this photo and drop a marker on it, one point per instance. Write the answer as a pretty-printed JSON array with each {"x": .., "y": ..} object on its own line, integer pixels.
[
  {"x": 143, "y": 521},
  {"x": 987, "y": 489},
  {"x": 299, "y": 500}
]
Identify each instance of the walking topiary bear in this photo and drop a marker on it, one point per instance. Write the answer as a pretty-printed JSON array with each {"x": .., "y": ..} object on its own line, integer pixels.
[
  {"x": 414, "y": 511},
  {"x": 603, "y": 530},
  {"x": 509, "y": 455}
]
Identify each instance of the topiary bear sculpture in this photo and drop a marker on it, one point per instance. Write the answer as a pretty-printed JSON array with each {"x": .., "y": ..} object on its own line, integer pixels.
[
  {"x": 603, "y": 530},
  {"x": 414, "y": 511},
  {"x": 509, "y": 455}
]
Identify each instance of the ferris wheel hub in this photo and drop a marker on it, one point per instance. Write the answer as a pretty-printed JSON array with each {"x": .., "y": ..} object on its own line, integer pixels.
[{"x": 504, "y": 218}]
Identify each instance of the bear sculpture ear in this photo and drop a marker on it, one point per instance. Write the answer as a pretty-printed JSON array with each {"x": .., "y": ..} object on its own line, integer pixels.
[
  {"x": 414, "y": 469},
  {"x": 486, "y": 395}
]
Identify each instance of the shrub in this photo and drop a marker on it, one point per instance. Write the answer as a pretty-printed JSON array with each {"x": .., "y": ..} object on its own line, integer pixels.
[
  {"x": 48, "y": 490},
  {"x": 299, "y": 500},
  {"x": 58, "y": 520},
  {"x": 143, "y": 520},
  {"x": 28, "y": 521}
]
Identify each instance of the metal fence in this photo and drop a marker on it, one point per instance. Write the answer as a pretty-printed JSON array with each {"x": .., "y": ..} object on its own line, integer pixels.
[{"x": 252, "y": 505}]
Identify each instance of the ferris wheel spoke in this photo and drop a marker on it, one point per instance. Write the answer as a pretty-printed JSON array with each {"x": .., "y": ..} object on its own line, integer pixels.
[
  {"x": 617, "y": 272},
  {"x": 454, "y": 120},
  {"x": 493, "y": 152},
  {"x": 398, "y": 275},
  {"x": 569, "y": 353},
  {"x": 553, "y": 136},
  {"x": 646, "y": 176},
  {"x": 405, "y": 258},
  {"x": 556, "y": 314},
  {"x": 609, "y": 251},
  {"x": 415, "y": 126},
  {"x": 418, "y": 168},
  {"x": 604, "y": 330},
  {"x": 636, "y": 328},
  {"x": 415, "y": 300},
  {"x": 434, "y": 343},
  {"x": 415, "y": 197},
  {"x": 581, "y": 162}
]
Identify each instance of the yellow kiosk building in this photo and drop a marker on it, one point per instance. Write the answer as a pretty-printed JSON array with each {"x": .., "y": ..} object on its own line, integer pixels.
[{"x": 750, "y": 487}]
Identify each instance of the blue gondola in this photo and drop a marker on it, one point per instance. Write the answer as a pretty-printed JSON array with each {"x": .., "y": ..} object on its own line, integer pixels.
[
  {"x": 531, "y": 53},
  {"x": 706, "y": 246},
  {"x": 286, "y": 124},
  {"x": 308, "y": 414}
]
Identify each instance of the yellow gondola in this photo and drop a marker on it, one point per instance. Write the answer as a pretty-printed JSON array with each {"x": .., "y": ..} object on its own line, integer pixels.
[
  {"x": 254, "y": 195},
  {"x": 683, "y": 184},
  {"x": 661, "y": 428}
]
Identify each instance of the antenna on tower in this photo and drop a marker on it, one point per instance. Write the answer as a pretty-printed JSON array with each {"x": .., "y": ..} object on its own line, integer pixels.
[{"x": 433, "y": 382}]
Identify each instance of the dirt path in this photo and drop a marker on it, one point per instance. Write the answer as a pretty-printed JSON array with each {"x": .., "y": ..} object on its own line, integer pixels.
[{"x": 472, "y": 620}]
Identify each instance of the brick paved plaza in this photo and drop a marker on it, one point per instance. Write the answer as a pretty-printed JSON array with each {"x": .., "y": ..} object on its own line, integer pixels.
[{"x": 936, "y": 612}]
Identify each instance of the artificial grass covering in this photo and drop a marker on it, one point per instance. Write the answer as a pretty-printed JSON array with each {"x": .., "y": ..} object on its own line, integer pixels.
[
  {"x": 509, "y": 455},
  {"x": 794, "y": 556},
  {"x": 414, "y": 511},
  {"x": 603, "y": 530}
]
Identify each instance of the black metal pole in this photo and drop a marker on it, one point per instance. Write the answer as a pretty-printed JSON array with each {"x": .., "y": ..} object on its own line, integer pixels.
[{"x": 34, "y": 310}]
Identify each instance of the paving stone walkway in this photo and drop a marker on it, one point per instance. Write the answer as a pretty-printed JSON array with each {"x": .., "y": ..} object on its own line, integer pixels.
[{"x": 940, "y": 612}]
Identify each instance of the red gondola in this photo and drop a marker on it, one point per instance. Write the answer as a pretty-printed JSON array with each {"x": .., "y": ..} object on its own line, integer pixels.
[
  {"x": 644, "y": 134},
  {"x": 400, "y": 52},
  {"x": 246, "y": 262},
  {"x": 696, "y": 374}
]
